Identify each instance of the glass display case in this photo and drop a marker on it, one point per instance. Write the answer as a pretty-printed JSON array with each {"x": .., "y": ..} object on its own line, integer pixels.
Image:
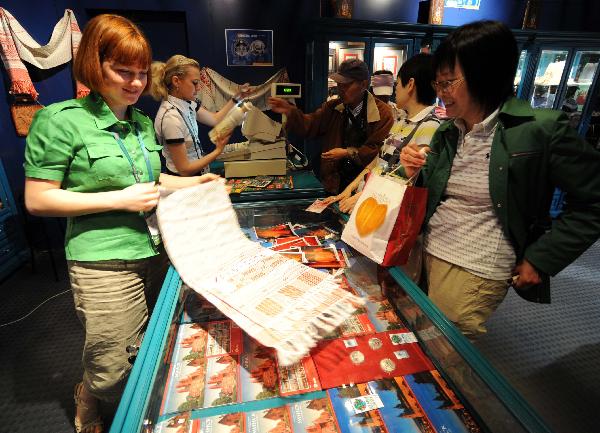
[
  {"x": 548, "y": 77},
  {"x": 474, "y": 396},
  {"x": 390, "y": 56},
  {"x": 380, "y": 45},
  {"x": 579, "y": 81},
  {"x": 555, "y": 70}
]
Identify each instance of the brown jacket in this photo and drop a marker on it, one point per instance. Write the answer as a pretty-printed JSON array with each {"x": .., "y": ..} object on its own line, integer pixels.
[{"x": 328, "y": 123}]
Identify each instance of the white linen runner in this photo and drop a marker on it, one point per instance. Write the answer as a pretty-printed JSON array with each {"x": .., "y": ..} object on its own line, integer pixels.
[{"x": 279, "y": 302}]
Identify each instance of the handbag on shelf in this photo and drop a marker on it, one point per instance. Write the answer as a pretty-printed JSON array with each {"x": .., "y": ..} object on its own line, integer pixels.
[
  {"x": 22, "y": 109},
  {"x": 386, "y": 220}
]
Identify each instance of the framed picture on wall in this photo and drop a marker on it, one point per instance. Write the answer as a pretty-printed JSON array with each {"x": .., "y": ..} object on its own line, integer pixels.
[
  {"x": 390, "y": 63},
  {"x": 350, "y": 53},
  {"x": 248, "y": 47}
]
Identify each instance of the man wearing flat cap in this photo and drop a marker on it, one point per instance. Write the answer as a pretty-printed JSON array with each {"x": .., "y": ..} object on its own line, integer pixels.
[{"x": 351, "y": 128}]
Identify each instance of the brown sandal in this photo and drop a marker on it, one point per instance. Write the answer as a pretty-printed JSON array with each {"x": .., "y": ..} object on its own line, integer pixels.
[{"x": 94, "y": 426}]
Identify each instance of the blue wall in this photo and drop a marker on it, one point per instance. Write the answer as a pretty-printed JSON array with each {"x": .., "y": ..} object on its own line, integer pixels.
[{"x": 509, "y": 12}]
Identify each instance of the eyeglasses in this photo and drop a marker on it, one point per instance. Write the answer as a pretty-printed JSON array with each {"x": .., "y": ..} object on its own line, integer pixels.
[{"x": 446, "y": 85}]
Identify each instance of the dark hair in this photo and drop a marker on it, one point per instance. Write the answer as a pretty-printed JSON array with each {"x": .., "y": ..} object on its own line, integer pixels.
[
  {"x": 420, "y": 68},
  {"x": 383, "y": 72},
  {"x": 488, "y": 56}
]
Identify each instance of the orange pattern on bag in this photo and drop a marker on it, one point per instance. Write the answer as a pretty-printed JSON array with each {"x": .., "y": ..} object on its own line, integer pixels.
[{"x": 370, "y": 216}]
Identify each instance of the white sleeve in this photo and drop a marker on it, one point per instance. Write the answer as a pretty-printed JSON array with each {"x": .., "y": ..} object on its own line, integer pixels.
[{"x": 171, "y": 128}]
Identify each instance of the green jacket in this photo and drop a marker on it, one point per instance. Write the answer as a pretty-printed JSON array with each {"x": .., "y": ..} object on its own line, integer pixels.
[{"x": 533, "y": 152}]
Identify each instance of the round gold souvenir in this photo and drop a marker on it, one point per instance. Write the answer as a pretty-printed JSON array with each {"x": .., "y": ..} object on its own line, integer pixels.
[
  {"x": 375, "y": 343},
  {"x": 357, "y": 357},
  {"x": 387, "y": 365}
]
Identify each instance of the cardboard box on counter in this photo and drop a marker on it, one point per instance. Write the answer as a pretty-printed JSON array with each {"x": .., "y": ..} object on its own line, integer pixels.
[
  {"x": 258, "y": 167},
  {"x": 267, "y": 151}
]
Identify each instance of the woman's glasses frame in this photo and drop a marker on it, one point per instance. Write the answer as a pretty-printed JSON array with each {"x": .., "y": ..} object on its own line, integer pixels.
[{"x": 446, "y": 85}]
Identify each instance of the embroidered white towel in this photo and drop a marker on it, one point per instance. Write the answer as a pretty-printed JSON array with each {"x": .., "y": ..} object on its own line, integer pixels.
[{"x": 279, "y": 302}]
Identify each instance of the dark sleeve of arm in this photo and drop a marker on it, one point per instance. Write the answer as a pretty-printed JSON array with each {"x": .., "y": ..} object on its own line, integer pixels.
[
  {"x": 308, "y": 125},
  {"x": 575, "y": 169}
]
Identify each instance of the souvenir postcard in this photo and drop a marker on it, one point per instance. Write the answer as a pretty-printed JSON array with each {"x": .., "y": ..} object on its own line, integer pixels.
[
  {"x": 200, "y": 340},
  {"x": 322, "y": 256},
  {"x": 227, "y": 423},
  {"x": 314, "y": 416},
  {"x": 222, "y": 381},
  {"x": 441, "y": 406},
  {"x": 273, "y": 232},
  {"x": 347, "y": 419},
  {"x": 382, "y": 315},
  {"x": 309, "y": 240},
  {"x": 274, "y": 420},
  {"x": 317, "y": 206},
  {"x": 294, "y": 255},
  {"x": 258, "y": 372},
  {"x": 320, "y": 230},
  {"x": 179, "y": 423},
  {"x": 298, "y": 378},
  {"x": 184, "y": 390},
  {"x": 400, "y": 410}
]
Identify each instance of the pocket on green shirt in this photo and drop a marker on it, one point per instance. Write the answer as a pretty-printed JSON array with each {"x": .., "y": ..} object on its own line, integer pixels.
[{"x": 107, "y": 162}]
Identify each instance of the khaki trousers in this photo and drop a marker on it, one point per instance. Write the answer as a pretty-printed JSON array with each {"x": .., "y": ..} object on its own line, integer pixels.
[
  {"x": 466, "y": 299},
  {"x": 113, "y": 300}
]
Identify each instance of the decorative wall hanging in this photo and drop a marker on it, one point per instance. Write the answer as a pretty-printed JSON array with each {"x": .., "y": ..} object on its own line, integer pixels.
[
  {"x": 216, "y": 90},
  {"x": 16, "y": 46}
]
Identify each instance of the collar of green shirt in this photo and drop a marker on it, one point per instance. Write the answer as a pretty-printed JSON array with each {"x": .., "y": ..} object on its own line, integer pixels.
[{"x": 103, "y": 115}]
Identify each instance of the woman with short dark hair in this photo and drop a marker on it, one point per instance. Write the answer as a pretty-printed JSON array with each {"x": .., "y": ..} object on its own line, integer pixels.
[{"x": 491, "y": 174}]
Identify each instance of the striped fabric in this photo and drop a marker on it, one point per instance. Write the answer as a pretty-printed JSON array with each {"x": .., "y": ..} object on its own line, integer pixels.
[
  {"x": 402, "y": 127},
  {"x": 16, "y": 46},
  {"x": 464, "y": 230}
]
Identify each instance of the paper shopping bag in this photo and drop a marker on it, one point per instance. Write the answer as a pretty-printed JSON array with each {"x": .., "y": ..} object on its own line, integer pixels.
[{"x": 386, "y": 220}]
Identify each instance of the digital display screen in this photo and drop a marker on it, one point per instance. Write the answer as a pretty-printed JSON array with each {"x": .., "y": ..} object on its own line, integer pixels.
[{"x": 288, "y": 90}]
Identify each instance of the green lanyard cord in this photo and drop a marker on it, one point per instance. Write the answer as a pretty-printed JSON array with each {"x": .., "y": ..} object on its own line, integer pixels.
[{"x": 128, "y": 156}]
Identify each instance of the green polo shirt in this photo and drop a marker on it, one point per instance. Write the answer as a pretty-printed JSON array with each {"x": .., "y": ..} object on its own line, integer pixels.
[{"x": 73, "y": 142}]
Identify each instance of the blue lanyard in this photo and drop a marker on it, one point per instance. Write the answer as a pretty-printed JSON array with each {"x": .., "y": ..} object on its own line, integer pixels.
[
  {"x": 194, "y": 135},
  {"x": 128, "y": 156}
]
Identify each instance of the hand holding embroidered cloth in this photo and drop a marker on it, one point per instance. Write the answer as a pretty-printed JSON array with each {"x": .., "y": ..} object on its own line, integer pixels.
[{"x": 279, "y": 302}]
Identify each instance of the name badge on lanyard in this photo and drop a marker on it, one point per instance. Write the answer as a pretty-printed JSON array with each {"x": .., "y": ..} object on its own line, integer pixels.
[{"x": 150, "y": 217}]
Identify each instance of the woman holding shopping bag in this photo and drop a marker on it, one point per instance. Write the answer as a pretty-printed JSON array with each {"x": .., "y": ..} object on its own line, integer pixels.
[{"x": 490, "y": 176}]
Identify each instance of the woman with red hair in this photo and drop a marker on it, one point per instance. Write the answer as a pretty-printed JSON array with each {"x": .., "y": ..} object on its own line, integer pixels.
[{"x": 95, "y": 161}]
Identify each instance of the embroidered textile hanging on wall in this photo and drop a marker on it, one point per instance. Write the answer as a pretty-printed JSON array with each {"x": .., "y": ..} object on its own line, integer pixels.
[
  {"x": 216, "y": 90},
  {"x": 16, "y": 46}
]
